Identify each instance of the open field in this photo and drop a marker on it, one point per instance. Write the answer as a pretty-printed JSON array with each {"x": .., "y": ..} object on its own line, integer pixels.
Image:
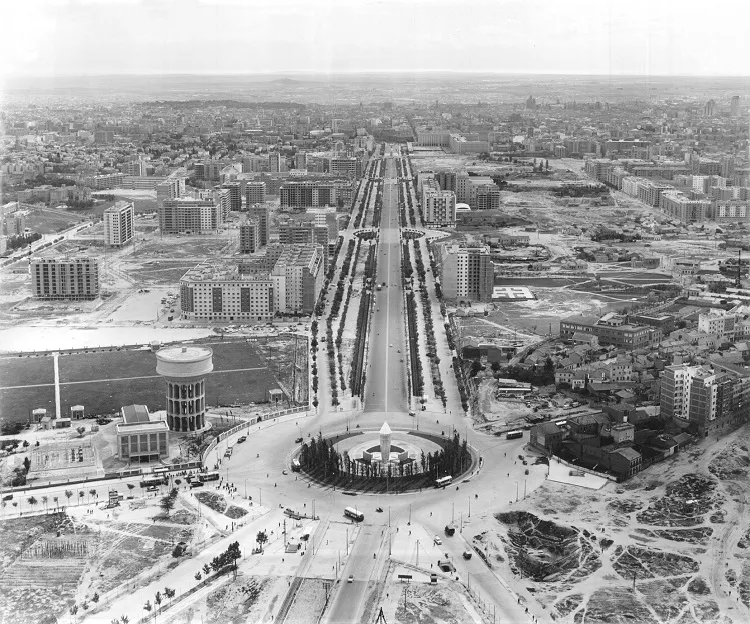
[
  {"x": 48, "y": 222},
  {"x": 103, "y": 381}
]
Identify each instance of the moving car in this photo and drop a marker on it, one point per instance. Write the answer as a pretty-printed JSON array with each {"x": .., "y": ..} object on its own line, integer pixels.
[
  {"x": 437, "y": 541},
  {"x": 298, "y": 441},
  {"x": 241, "y": 439},
  {"x": 152, "y": 488},
  {"x": 399, "y": 350},
  {"x": 379, "y": 509},
  {"x": 467, "y": 554},
  {"x": 284, "y": 472},
  {"x": 350, "y": 579}
]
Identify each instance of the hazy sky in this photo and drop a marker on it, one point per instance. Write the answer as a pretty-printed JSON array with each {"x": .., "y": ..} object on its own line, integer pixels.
[{"x": 657, "y": 37}]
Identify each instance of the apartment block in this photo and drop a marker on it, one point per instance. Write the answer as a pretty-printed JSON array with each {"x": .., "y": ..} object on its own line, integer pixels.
[
  {"x": 118, "y": 224},
  {"x": 255, "y": 193},
  {"x": 681, "y": 207},
  {"x": 297, "y": 276},
  {"x": 250, "y": 236},
  {"x": 235, "y": 195},
  {"x": 707, "y": 397},
  {"x": 466, "y": 273},
  {"x": 74, "y": 278},
  {"x": 438, "y": 207},
  {"x": 219, "y": 292},
  {"x": 309, "y": 194},
  {"x": 187, "y": 215}
]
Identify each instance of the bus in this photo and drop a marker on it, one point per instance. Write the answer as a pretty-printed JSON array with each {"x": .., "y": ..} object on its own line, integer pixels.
[
  {"x": 209, "y": 476},
  {"x": 561, "y": 423},
  {"x": 352, "y": 513},
  {"x": 296, "y": 466},
  {"x": 151, "y": 481},
  {"x": 443, "y": 481},
  {"x": 512, "y": 435}
]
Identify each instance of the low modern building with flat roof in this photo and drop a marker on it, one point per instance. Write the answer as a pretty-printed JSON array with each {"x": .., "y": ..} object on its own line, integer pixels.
[{"x": 140, "y": 437}]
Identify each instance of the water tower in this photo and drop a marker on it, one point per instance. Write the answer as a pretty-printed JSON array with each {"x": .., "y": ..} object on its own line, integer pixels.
[{"x": 184, "y": 369}]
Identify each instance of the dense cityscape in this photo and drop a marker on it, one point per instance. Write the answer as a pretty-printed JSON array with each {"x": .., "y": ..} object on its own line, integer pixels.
[{"x": 269, "y": 343}]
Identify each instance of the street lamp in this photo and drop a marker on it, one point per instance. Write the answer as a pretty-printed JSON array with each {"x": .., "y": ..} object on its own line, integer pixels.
[{"x": 516, "y": 491}]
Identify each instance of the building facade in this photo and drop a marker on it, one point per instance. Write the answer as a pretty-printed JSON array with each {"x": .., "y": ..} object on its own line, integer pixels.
[
  {"x": 466, "y": 273},
  {"x": 74, "y": 278},
  {"x": 118, "y": 224},
  {"x": 219, "y": 292},
  {"x": 187, "y": 215}
]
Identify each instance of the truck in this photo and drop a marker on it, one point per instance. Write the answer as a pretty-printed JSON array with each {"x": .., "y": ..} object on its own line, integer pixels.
[{"x": 450, "y": 530}]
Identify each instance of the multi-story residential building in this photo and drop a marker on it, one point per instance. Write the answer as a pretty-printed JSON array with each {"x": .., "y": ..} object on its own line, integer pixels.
[
  {"x": 72, "y": 278},
  {"x": 219, "y": 292},
  {"x": 300, "y": 161},
  {"x": 235, "y": 195},
  {"x": 250, "y": 236},
  {"x": 187, "y": 215},
  {"x": 297, "y": 278},
  {"x": 118, "y": 224},
  {"x": 681, "y": 207},
  {"x": 346, "y": 166},
  {"x": 308, "y": 193},
  {"x": 104, "y": 181},
  {"x": 305, "y": 232},
  {"x": 276, "y": 162},
  {"x": 327, "y": 217},
  {"x": 438, "y": 207},
  {"x": 719, "y": 322},
  {"x": 486, "y": 197},
  {"x": 255, "y": 193},
  {"x": 466, "y": 273},
  {"x": 261, "y": 212},
  {"x": 706, "y": 397},
  {"x": 611, "y": 329},
  {"x": 172, "y": 187},
  {"x": 730, "y": 210},
  {"x": 210, "y": 169}
]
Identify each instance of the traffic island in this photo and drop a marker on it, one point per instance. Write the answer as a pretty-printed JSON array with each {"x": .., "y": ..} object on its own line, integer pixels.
[{"x": 382, "y": 462}]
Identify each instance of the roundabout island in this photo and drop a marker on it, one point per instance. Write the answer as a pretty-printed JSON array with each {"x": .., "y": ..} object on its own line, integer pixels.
[{"x": 383, "y": 461}]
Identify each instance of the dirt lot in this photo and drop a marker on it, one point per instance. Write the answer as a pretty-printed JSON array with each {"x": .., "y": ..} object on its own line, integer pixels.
[{"x": 666, "y": 546}]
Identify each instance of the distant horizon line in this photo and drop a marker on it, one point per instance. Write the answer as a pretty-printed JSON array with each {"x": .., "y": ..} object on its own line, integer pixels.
[{"x": 286, "y": 73}]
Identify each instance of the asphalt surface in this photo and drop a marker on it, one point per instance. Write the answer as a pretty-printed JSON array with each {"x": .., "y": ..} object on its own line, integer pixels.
[{"x": 386, "y": 373}]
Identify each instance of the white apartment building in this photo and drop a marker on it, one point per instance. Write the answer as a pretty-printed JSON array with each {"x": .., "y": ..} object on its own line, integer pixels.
[
  {"x": 297, "y": 278},
  {"x": 717, "y": 322},
  {"x": 438, "y": 207},
  {"x": 118, "y": 224},
  {"x": 466, "y": 273},
  {"x": 219, "y": 292}
]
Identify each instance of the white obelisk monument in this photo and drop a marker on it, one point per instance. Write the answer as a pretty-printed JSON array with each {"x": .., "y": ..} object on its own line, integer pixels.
[{"x": 385, "y": 445}]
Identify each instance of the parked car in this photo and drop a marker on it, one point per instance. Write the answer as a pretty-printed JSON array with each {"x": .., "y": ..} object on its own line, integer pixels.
[
  {"x": 298, "y": 440},
  {"x": 350, "y": 579},
  {"x": 438, "y": 541}
]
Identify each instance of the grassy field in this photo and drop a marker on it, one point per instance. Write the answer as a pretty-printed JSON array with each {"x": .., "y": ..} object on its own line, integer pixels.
[
  {"x": 23, "y": 371},
  {"x": 105, "y": 381},
  {"x": 50, "y": 222}
]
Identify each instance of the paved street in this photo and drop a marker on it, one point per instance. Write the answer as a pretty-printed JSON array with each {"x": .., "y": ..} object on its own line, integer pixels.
[{"x": 386, "y": 373}]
